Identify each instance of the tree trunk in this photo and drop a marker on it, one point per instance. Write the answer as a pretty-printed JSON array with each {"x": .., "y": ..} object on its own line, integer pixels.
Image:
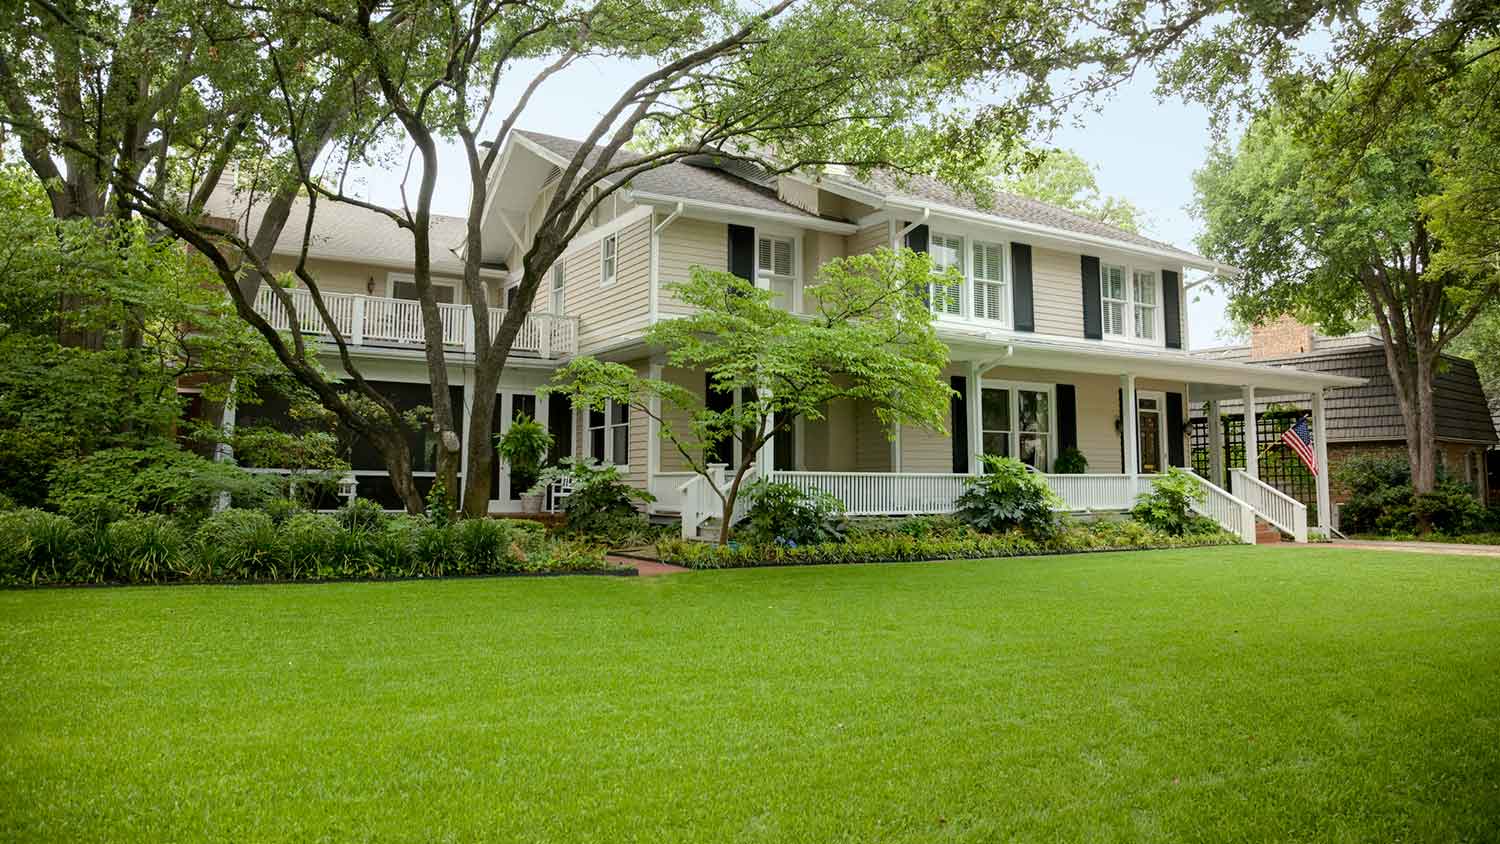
[
  {"x": 477, "y": 491},
  {"x": 397, "y": 456}
]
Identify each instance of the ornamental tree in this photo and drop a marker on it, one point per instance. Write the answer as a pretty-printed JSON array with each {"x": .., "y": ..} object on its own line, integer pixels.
[
  {"x": 869, "y": 338},
  {"x": 1398, "y": 229}
]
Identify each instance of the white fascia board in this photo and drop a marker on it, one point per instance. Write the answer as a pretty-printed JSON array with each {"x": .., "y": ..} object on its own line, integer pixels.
[
  {"x": 1045, "y": 231},
  {"x": 718, "y": 210}
]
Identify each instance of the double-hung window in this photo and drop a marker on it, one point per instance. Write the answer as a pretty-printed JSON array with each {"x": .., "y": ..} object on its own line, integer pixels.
[
  {"x": 1016, "y": 421},
  {"x": 608, "y": 251},
  {"x": 947, "y": 252},
  {"x": 991, "y": 299},
  {"x": 557, "y": 288},
  {"x": 609, "y": 433},
  {"x": 776, "y": 262},
  {"x": 1143, "y": 287},
  {"x": 1113, "y": 299}
]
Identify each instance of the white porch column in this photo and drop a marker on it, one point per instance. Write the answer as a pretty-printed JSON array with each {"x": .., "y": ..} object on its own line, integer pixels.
[
  {"x": 765, "y": 459},
  {"x": 1252, "y": 438},
  {"x": 1215, "y": 445},
  {"x": 1132, "y": 440},
  {"x": 895, "y": 446},
  {"x": 974, "y": 407},
  {"x": 653, "y": 434},
  {"x": 1320, "y": 451}
]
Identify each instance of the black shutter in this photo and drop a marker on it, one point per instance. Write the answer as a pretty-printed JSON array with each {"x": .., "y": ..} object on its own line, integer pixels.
[
  {"x": 1171, "y": 311},
  {"x": 1020, "y": 259},
  {"x": 959, "y": 407},
  {"x": 1093, "y": 318},
  {"x": 742, "y": 251},
  {"x": 719, "y": 401},
  {"x": 784, "y": 446},
  {"x": 1175, "y": 424},
  {"x": 916, "y": 239},
  {"x": 1067, "y": 417}
]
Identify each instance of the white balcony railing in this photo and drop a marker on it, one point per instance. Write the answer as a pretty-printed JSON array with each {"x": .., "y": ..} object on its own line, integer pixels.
[{"x": 379, "y": 321}]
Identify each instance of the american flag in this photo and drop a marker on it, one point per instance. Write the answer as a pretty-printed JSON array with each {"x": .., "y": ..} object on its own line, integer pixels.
[{"x": 1299, "y": 439}]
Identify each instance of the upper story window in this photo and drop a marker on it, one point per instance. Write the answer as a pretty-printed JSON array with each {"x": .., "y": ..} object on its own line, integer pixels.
[
  {"x": 1114, "y": 299},
  {"x": 776, "y": 266},
  {"x": 947, "y": 252},
  {"x": 557, "y": 287},
  {"x": 608, "y": 251},
  {"x": 991, "y": 292},
  {"x": 1143, "y": 289}
]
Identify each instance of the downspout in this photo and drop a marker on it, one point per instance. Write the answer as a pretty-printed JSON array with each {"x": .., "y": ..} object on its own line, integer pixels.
[{"x": 656, "y": 230}]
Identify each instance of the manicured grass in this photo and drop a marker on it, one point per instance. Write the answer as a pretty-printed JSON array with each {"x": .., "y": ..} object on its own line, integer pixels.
[{"x": 1223, "y": 694}]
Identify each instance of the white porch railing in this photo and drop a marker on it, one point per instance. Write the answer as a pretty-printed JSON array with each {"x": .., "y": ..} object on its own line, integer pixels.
[
  {"x": 1098, "y": 492},
  {"x": 1233, "y": 514},
  {"x": 1286, "y": 513},
  {"x": 698, "y": 502},
  {"x": 881, "y": 493},
  {"x": 377, "y": 320}
]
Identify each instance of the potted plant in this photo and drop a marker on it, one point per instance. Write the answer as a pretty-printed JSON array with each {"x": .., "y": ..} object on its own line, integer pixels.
[{"x": 523, "y": 447}]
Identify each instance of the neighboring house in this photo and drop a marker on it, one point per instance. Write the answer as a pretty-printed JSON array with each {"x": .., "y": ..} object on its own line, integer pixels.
[
  {"x": 1060, "y": 323},
  {"x": 1365, "y": 419}
]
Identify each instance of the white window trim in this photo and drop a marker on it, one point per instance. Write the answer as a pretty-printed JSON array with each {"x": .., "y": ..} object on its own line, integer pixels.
[
  {"x": 1159, "y": 309},
  {"x": 1007, "y": 283},
  {"x": 964, "y": 286},
  {"x": 609, "y": 440},
  {"x": 1015, "y": 413},
  {"x": 608, "y": 279},
  {"x": 558, "y": 271},
  {"x": 764, "y": 281},
  {"x": 392, "y": 278}
]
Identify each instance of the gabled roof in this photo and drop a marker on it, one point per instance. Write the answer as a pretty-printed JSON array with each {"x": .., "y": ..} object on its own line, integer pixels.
[
  {"x": 680, "y": 179},
  {"x": 1372, "y": 413},
  {"x": 343, "y": 232}
]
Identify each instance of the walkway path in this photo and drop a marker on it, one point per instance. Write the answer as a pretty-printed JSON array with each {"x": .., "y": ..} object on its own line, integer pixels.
[
  {"x": 1419, "y": 547},
  {"x": 645, "y": 568}
]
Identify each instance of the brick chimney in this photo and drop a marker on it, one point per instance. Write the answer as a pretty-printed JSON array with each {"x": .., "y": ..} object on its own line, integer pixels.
[{"x": 1283, "y": 338}]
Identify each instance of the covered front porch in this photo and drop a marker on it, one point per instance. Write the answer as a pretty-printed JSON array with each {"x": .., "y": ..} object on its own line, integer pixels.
[{"x": 1054, "y": 405}]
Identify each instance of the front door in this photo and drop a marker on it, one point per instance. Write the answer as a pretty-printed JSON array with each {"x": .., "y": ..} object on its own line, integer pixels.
[
  {"x": 1151, "y": 424},
  {"x": 509, "y": 485}
]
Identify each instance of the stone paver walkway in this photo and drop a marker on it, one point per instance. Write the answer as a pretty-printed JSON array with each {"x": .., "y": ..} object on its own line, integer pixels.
[{"x": 1419, "y": 547}]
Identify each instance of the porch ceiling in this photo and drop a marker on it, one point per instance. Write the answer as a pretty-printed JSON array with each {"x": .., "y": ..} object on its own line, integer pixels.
[{"x": 1207, "y": 379}]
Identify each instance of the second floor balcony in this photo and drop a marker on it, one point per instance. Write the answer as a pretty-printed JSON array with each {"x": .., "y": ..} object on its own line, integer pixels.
[{"x": 381, "y": 322}]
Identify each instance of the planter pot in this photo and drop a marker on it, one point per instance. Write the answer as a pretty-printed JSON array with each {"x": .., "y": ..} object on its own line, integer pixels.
[{"x": 531, "y": 503}]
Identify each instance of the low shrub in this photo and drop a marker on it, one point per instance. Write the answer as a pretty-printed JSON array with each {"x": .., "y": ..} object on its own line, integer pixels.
[
  {"x": 37, "y": 546},
  {"x": 155, "y": 480},
  {"x": 1168, "y": 506},
  {"x": 602, "y": 506},
  {"x": 144, "y": 549},
  {"x": 361, "y": 514},
  {"x": 898, "y": 547},
  {"x": 1009, "y": 497},
  {"x": 1070, "y": 461},
  {"x": 917, "y": 527},
  {"x": 784, "y": 514},
  {"x": 237, "y": 545},
  {"x": 1381, "y": 501}
]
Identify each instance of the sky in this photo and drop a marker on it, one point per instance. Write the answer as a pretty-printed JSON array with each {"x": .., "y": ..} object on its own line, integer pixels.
[{"x": 1143, "y": 150}]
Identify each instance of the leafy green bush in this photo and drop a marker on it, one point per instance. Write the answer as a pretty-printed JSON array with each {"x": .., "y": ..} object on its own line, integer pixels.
[
  {"x": 361, "y": 514},
  {"x": 145, "y": 549},
  {"x": 281, "y": 509},
  {"x": 1007, "y": 497},
  {"x": 524, "y": 445},
  {"x": 1381, "y": 501},
  {"x": 37, "y": 546},
  {"x": 602, "y": 505},
  {"x": 155, "y": 480},
  {"x": 1168, "y": 507},
  {"x": 239, "y": 544},
  {"x": 1070, "y": 461},
  {"x": 917, "y": 527},
  {"x": 897, "y": 547},
  {"x": 784, "y": 514}
]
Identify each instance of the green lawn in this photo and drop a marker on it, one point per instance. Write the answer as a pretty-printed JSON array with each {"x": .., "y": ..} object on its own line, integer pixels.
[{"x": 1218, "y": 694}]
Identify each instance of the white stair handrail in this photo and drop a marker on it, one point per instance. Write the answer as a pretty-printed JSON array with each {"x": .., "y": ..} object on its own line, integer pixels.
[
  {"x": 1232, "y": 514},
  {"x": 1281, "y": 510}
]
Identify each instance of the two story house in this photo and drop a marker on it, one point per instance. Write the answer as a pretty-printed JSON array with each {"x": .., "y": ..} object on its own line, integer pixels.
[{"x": 1064, "y": 333}]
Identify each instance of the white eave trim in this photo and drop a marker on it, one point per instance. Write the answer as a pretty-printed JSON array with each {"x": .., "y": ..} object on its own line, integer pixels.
[{"x": 690, "y": 205}]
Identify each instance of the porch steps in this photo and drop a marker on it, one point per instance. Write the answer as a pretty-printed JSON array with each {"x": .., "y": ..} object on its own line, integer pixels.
[{"x": 1267, "y": 533}]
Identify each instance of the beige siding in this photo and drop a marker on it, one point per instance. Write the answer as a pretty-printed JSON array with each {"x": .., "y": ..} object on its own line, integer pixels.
[
  {"x": 872, "y": 442},
  {"x": 608, "y": 313},
  {"x": 1057, "y": 291},
  {"x": 635, "y": 475},
  {"x": 686, "y": 244},
  {"x": 678, "y": 419},
  {"x": 350, "y": 277},
  {"x": 869, "y": 239}
]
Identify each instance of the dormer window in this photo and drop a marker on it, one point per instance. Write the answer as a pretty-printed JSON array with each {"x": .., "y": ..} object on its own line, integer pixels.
[{"x": 947, "y": 252}]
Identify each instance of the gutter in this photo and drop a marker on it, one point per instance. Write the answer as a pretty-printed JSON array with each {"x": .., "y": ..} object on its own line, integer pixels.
[{"x": 805, "y": 221}]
